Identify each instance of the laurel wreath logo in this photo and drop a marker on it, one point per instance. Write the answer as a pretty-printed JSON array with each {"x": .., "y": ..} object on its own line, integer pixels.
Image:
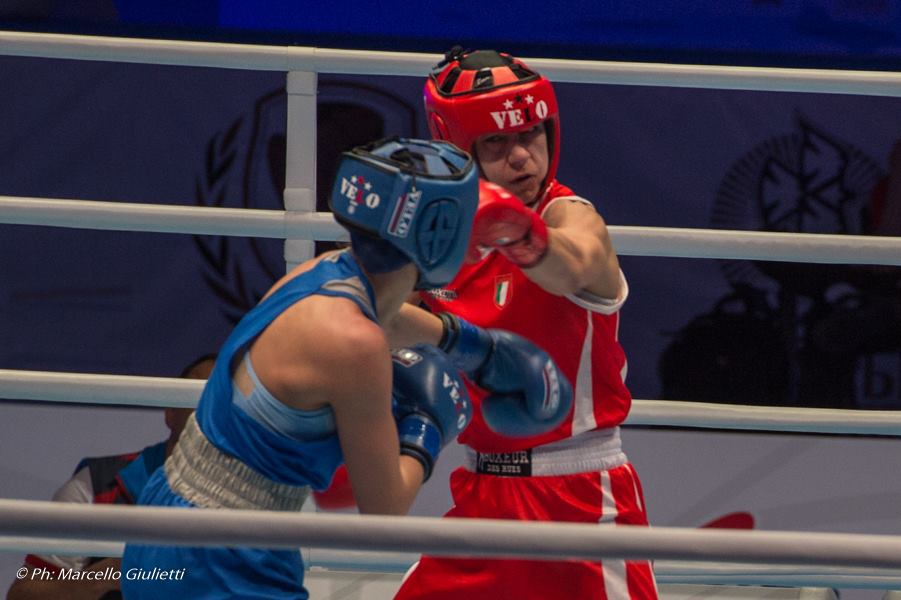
[
  {"x": 244, "y": 165},
  {"x": 225, "y": 274}
]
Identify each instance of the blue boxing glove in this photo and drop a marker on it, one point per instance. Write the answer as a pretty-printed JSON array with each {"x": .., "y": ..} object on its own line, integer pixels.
[
  {"x": 431, "y": 405},
  {"x": 529, "y": 395}
]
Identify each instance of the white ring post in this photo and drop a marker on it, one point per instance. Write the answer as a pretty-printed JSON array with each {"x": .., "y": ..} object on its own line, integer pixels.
[{"x": 300, "y": 159}]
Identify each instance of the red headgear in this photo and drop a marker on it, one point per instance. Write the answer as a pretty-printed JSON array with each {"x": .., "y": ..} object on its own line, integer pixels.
[{"x": 471, "y": 94}]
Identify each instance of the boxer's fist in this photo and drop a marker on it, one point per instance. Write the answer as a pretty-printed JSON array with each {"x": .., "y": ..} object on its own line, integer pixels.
[
  {"x": 529, "y": 395},
  {"x": 431, "y": 405},
  {"x": 338, "y": 495},
  {"x": 505, "y": 224}
]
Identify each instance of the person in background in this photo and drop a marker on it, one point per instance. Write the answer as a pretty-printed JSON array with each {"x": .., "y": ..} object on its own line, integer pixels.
[{"x": 117, "y": 479}]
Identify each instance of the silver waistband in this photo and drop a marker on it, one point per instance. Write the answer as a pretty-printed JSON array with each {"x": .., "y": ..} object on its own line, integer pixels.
[
  {"x": 204, "y": 475},
  {"x": 597, "y": 450}
]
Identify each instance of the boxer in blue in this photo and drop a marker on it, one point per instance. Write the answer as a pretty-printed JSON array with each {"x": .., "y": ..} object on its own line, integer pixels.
[{"x": 308, "y": 379}]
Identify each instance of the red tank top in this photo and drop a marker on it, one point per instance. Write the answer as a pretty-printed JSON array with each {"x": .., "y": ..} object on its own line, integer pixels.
[{"x": 495, "y": 293}]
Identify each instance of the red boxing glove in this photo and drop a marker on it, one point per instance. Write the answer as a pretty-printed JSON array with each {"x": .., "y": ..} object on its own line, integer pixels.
[
  {"x": 338, "y": 495},
  {"x": 505, "y": 224}
]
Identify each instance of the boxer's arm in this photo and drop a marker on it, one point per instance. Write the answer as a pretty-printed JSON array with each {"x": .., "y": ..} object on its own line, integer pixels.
[
  {"x": 412, "y": 325},
  {"x": 430, "y": 407},
  {"x": 383, "y": 480},
  {"x": 566, "y": 250},
  {"x": 324, "y": 352},
  {"x": 580, "y": 255}
]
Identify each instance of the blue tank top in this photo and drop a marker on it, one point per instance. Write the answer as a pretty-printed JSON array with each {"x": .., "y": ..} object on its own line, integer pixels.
[
  {"x": 269, "y": 411},
  {"x": 277, "y": 456}
]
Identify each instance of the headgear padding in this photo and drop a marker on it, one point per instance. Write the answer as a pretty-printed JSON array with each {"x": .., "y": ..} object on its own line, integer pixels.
[
  {"x": 471, "y": 94},
  {"x": 406, "y": 200}
]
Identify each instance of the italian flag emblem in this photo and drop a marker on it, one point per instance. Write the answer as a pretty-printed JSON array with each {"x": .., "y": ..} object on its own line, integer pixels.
[{"x": 502, "y": 290}]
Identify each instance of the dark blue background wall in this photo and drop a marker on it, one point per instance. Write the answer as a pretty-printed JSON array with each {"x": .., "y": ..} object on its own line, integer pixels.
[
  {"x": 824, "y": 32},
  {"x": 694, "y": 329}
]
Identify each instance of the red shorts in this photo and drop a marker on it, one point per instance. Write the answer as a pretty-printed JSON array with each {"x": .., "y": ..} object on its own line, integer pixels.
[{"x": 609, "y": 496}]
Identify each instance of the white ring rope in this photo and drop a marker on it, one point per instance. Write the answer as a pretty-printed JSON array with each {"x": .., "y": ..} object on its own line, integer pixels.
[
  {"x": 323, "y": 60},
  {"x": 87, "y": 388},
  {"x": 442, "y": 537},
  {"x": 184, "y": 393},
  {"x": 129, "y": 216},
  {"x": 629, "y": 240},
  {"x": 756, "y": 245},
  {"x": 775, "y": 575},
  {"x": 672, "y": 413},
  {"x": 399, "y": 562}
]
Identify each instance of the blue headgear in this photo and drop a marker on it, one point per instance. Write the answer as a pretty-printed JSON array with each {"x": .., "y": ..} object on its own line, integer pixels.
[{"x": 406, "y": 200}]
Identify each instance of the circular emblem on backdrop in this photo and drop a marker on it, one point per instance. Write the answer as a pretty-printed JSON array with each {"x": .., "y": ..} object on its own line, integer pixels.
[
  {"x": 244, "y": 166},
  {"x": 436, "y": 231},
  {"x": 802, "y": 182}
]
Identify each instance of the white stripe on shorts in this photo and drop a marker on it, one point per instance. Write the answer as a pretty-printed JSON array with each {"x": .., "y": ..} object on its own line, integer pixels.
[{"x": 614, "y": 570}]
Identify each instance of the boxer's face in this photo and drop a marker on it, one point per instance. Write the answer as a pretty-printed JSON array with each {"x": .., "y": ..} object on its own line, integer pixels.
[{"x": 517, "y": 162}]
